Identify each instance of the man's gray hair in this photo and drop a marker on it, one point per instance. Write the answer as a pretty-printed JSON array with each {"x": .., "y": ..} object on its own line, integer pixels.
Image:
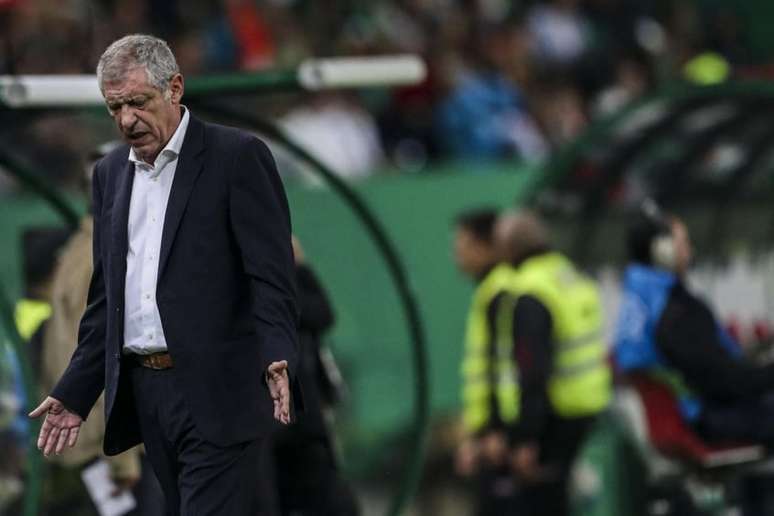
[{"x": 138, "y": 50}]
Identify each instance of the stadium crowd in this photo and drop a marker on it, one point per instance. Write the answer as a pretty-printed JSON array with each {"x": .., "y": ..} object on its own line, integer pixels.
[{"x": 507, "y": 79}]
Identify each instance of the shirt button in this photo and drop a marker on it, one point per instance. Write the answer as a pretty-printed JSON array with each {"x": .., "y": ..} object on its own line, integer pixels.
[
  {"x": 147, "y": 296},
  {"x": 150, "y": 337}
]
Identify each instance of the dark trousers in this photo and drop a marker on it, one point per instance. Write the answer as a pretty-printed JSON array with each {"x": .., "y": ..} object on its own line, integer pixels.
[
  {"x": 496, "y": 493},
  {"x": 308, "y": 481},
  {"x": 749, "y": 421},
  {"x": 198, "y": 478},
  {"x": 559, "y": 446}
]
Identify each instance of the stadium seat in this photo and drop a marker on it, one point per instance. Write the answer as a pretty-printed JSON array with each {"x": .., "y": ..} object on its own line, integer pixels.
[{"x": 671, "y": 436}]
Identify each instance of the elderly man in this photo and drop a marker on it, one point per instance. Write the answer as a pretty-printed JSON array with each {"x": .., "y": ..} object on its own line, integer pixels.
[
  {"x": 549, "y": 323},
  {"x": 190, "y": 322}
]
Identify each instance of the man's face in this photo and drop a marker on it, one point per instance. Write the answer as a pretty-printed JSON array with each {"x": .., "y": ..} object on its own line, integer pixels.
[
  {"x": 146, "y": 117},
  {"x": 472, "y": 255},
  {"x": 683, "y": 248}
]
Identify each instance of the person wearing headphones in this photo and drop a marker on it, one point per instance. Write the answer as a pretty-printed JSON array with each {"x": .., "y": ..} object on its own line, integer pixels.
[{"x": 668, "y": 333}]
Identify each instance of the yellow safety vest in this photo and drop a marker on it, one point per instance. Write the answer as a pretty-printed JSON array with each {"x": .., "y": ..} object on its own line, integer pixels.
[
  {"x": 580, "y": 383},
  {"x": 478, "y": 372},
  {"x": 29, "y": 315}
]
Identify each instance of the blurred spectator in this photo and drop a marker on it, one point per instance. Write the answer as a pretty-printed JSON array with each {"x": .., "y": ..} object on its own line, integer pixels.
[
  {"x": 252, "y": 34},
  {"x": 338, "y": 132},
  {"x": 561, "y": 110},
  {"x": 14, "y": 427},
  {"x": 309, "y": 482},
  {"x": 548, "y": 326},
  {"x": 560, "y": 31},
  {"x": 40, "y": 250},
  {"x": 631, "y": 80},
  {"x": 485, "y": 115},
  {"x": 665, "y": 331},
  {"x": 482, "y": 451},
  {"x": 726, "y": 37}
]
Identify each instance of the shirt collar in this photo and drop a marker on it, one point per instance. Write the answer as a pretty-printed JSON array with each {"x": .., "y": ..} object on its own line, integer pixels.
[{"x": 172, "y": 148}]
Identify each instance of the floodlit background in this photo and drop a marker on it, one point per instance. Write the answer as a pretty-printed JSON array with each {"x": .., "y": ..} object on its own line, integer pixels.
[{"x": 581, "y": 108}]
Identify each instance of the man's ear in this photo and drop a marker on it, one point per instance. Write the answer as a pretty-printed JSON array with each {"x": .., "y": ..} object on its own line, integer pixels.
[{"x": 176, "y": 88}]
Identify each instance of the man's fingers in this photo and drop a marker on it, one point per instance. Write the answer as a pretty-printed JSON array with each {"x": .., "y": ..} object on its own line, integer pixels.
[
  {"x": 51, "y": 442},
  {"x": 284, "y": 403},
  {"x": 285, "y": 400},
  {"x": 280, "y": 391},
  {"x": 278, "y": 367},
  {"x": 60, "y": 443},
  {"x": 73, "y": 436},
  {"x": 42, "y": 408},
  {"x": 45, "y": 430}
]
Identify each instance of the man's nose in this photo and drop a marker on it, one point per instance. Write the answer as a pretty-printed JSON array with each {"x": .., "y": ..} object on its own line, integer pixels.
[{"x": 127, "y": 117}]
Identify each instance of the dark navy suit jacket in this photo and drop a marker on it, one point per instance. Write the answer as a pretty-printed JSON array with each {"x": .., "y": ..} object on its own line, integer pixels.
[{"x": 225, "y": 289}]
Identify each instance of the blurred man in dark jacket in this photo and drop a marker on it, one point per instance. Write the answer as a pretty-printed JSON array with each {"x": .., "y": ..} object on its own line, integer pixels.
[
  {"x": 666, "y": 331},
  {"x": 307, "y": 476}
]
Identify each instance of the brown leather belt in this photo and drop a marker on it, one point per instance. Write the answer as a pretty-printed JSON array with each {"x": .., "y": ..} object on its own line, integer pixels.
[{"x": 157, "y": 361}]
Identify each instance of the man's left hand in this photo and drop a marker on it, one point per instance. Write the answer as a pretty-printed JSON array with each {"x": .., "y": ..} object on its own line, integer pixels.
[
  {"x": 279, "y": 387},
  {"x": 525, "y": 462}
]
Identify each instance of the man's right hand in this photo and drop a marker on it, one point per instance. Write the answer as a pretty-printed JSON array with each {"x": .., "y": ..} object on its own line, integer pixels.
[
  {"x": 60, "y": 427},
  {"x": 466, "y": 458}
]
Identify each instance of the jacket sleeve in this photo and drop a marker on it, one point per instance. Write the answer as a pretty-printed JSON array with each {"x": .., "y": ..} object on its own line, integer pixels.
[
  {"x": 495, "y": 422},
  {"x": 84, "y": 379},
  {"x": 533, "y": 353},
  {"x": 260, "y": 220},
  {"x": 687, "y": 335}
]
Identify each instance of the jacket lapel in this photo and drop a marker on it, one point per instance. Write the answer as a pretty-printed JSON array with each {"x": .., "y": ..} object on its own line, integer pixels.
[
  {"x": 189, "y": 166},
  {"x": 120, "y": 222}
]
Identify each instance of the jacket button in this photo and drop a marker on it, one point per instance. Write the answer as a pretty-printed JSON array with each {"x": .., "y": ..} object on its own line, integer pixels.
[{"x": 117, "y": 356}]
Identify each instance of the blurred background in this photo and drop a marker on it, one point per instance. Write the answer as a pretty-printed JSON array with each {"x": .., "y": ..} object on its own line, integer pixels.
[{"x": 581, "y": 109}]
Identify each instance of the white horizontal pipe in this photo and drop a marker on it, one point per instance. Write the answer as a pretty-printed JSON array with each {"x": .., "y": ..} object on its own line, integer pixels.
[
  {"x": 351, "y": 72},
  {"x": 313, "y": 74},
  {"x": 49, "y": 90}
]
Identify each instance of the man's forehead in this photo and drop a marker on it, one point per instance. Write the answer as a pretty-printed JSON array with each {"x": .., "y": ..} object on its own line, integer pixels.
[{"x": 134, "y": 82}]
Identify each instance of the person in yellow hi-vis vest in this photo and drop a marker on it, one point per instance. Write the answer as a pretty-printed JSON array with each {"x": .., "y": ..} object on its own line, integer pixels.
[
  {"x": 552, "y": 374},
  {"x": 483, "y": 452},
  {"x": 40, "y": 248}
]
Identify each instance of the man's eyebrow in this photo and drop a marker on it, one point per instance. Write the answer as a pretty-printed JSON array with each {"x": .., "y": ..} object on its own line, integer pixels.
[{"x": 123, "y": 100}]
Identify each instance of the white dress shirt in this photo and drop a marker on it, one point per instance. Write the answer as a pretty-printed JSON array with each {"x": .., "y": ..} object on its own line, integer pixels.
[{"x": 143, "y": 332}]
